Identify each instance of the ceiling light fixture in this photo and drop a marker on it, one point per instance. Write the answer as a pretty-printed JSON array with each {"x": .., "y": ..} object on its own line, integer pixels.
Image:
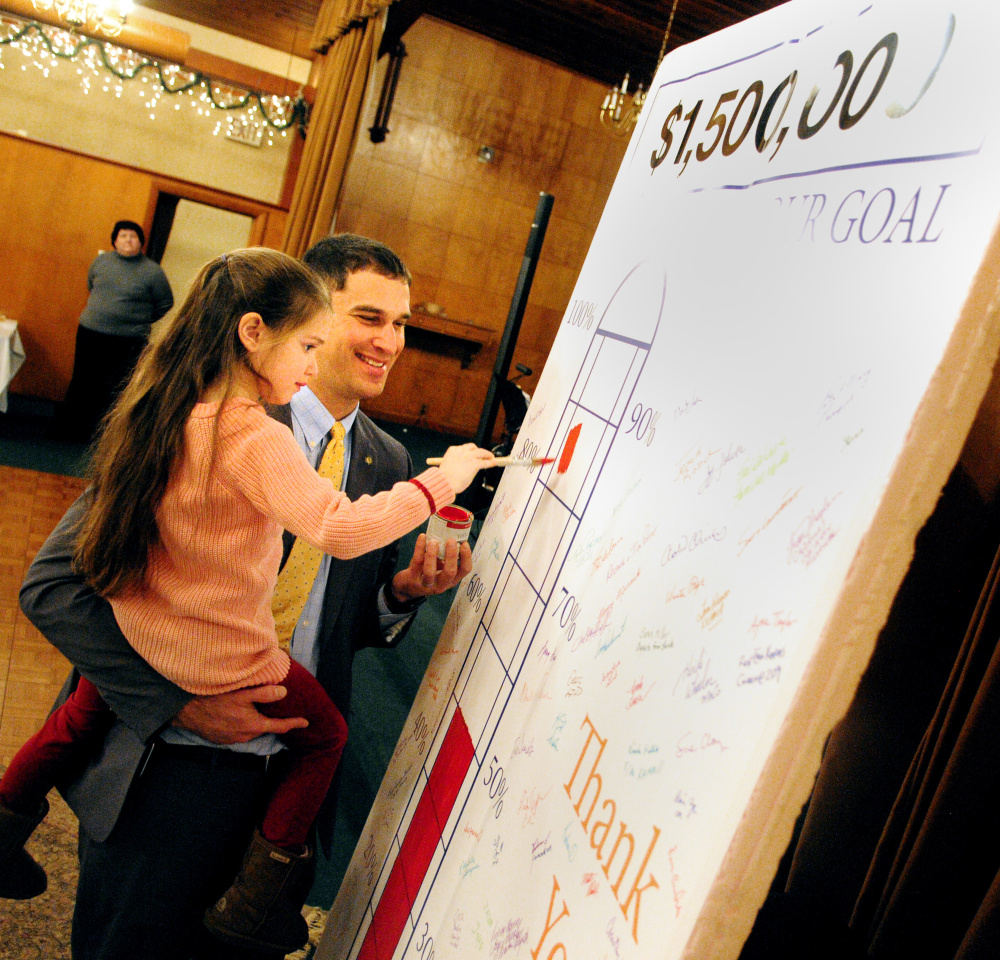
[
  {"x": 106, "y": 17},
  {"x": 617, "y": 114}
]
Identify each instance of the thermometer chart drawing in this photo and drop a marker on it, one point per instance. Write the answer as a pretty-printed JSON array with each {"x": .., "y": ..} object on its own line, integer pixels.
[{"x": 458, "y": 761}]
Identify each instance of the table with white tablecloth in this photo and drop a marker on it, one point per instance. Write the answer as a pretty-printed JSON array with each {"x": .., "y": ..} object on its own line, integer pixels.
[{"x": 11, "y": 357}]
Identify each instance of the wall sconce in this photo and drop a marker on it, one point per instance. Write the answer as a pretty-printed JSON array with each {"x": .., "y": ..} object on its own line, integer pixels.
[
  {"x": 381, "y": 126},
  {"x": 485, "y": 154}
]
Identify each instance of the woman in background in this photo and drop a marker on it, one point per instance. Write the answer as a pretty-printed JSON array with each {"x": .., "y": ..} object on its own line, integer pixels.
[{"x": 128, "y": 293}]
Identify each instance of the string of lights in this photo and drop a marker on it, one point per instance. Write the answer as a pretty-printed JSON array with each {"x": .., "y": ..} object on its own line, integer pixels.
[{"x": 45, "y": 46}]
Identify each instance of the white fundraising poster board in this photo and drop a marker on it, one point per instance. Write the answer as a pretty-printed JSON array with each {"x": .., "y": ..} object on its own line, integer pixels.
[{"x": 772, "y": 357}]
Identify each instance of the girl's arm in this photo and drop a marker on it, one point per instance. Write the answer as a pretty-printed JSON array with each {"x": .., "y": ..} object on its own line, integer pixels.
[{"x": 266, "y": 464}]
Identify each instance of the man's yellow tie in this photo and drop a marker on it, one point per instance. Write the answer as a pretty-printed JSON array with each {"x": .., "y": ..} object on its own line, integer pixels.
[{"x": 300, "y": 569}]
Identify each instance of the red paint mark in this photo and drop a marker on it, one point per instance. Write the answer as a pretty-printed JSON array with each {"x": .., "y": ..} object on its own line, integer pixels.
[
  {"x": 455, "y": 518},
  {"x": 568, "y": 448},
  {"x": 422, "y": 836},
  {"x": 542, "y": 461}
]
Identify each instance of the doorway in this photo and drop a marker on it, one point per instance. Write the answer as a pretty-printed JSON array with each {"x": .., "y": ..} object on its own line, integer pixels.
[
  {"x": 198, "y": 233},
  {"x": 189, "y": 225}
]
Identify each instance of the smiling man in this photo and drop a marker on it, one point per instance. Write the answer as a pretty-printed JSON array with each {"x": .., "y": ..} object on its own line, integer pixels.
[
  {"x": 168, "y": 809},
  {"x": 370, "y": 310}
]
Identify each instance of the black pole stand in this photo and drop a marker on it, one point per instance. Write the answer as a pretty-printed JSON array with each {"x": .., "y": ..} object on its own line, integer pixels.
[{"x": 505, "y": 352}]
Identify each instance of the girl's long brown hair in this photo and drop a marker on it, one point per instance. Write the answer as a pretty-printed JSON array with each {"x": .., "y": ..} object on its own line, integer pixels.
[{"x": 143, "y": 436}]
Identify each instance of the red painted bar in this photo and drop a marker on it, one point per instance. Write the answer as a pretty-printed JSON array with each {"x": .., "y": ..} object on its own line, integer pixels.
[{"x": 417, "y": 850}]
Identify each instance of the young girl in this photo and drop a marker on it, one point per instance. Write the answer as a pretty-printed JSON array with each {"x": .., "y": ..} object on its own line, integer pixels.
[{"x": 192, "y": 486}]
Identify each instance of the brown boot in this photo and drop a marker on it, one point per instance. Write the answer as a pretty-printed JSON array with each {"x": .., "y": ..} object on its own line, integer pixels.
[
  {"x": 21, "y": 878},
  {"x": 262, "y": 910}
]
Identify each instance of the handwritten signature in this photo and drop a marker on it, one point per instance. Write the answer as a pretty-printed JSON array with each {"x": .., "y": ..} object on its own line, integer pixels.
[
  {"x": 715, "y": 466},
  {"x": 764, "y": 466},
  {"x": 523, "y": 745},
  {"x": 842, "y": 395},
  {"x": 684, "y": 806},
  {"x": 696, "y": 681},
  {"x": 812, "y": 536},
  {"x": 541, "y": 847},
  {"x": 690, "y": 743},
  {"x": 746, "y": 539},
  {"x": 692, "y": 586},
  {"x": 638, "y": 692},
  {"x": 557, "y": 727},
  {"x": 712, "y": 610},
  {"x": 528, "y": 805},
  {"x": 686, "y": 406},
  {"x": 779, "y": 620},
  {"x": 675, "y": 883},
  {"x": 691, "y": 542}
]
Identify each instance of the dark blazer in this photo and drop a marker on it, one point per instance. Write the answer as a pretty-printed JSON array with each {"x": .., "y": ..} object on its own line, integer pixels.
[{"x": 81, "y": 625}]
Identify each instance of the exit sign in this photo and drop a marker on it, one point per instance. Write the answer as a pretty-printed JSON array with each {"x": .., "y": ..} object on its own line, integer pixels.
[{"x": 245, "y": 133}]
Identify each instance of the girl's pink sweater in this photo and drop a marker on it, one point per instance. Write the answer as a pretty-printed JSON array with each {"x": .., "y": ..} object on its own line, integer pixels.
[{"x": 203, "y": 617}]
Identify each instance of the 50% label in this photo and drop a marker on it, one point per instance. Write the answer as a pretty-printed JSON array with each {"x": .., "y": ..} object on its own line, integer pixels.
[{"x": 497, "y": 782}]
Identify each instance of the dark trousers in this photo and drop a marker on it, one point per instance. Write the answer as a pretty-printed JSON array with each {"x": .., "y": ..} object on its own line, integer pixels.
[
  {"x": 175, "y": 849},
  {"x": 102, "y": 366}
]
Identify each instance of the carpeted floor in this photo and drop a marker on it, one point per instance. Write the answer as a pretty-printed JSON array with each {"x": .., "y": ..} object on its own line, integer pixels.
[{"x": 39, "y": 928}]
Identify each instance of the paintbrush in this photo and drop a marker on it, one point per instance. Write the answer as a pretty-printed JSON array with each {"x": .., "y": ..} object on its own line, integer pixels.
[{"x": 505, "y": 461}]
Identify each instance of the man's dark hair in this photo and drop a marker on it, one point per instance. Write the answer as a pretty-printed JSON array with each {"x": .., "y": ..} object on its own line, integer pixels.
[
  {"x": 336, "y": 258},
  {"x": 128, "y": 225}
]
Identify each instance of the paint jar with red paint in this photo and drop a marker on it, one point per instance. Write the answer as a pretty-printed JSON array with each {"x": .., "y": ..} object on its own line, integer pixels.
[{"x": 449, "y": 523}]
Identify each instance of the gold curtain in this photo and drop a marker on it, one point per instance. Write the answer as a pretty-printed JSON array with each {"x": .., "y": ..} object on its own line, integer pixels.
[{"x": 347, "y": 34}]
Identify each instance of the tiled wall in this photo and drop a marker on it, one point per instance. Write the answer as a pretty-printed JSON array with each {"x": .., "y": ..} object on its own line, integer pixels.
[{"x": 460, "y": 224}]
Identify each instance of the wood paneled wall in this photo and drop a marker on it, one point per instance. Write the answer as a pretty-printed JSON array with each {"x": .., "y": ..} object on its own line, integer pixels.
[
  {"x": 461, "y": 225},
  {"x": 58, "y": 209}
]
